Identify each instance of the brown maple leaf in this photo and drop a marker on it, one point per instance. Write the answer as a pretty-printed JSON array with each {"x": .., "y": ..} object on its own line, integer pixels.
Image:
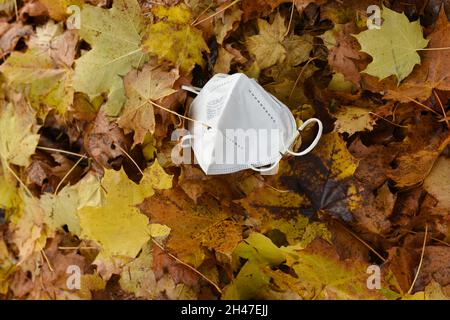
[{"x": 344, "y": 51}]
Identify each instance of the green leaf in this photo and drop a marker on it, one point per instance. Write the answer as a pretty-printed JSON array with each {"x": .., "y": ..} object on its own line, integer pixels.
[
  {"x": 394, "y": 46},
  {"x": 115, "y": 37}
]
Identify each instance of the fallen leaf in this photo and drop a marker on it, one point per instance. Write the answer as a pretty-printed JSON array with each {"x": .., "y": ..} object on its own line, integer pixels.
[
  {"x": 117, "y": 225},
  {"x": 267, "y": 46},
  {"x": 115, "y": 38},
  {"x": 186, "y": 43},
  {"x": 104, "y": 141},
  {"x": 137, "y": 277},
  {"x": 41, "y": 72},
  {"x": 430, "y": 75},
  {"x": 350, "y": 119},
  {"x": 328, "y": 277},
  {"x": 171, "y": 208},
  {"x": 62, "y": 208},
  {"x": 434, "y": 268},
  {"x": 343, "y": 51},
  {"x": 393, "y": 47},
  {"x": 226, "y": 22},
  {"x": 57, "y": 9},
  {"x": 18, "y": 135},
  {"x": 10, "y": 34},
  {"x": 326, "y": 178},
  {"x": 437, "y": 183},
  {"x": 150, "y": 83},
  {"x": 223, "y": 63}
]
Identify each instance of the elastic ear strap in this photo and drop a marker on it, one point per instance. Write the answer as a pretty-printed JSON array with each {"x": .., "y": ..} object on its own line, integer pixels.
[
  {"x": 195, "y": 90},
  {"x": 265, "y": 169},
  {"x": 189, "y": 138},
  {"x": 316, "y": 140}
]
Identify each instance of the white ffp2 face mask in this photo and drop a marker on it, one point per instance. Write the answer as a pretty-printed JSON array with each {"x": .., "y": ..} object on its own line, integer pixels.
[{"x": 238, "y": 125}]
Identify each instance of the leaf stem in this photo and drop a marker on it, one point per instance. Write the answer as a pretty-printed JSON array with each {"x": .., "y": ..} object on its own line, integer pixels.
[{"x": 433, "y": 49}]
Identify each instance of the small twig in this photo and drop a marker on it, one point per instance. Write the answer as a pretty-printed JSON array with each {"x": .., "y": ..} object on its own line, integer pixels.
[
  {"x": 187, "y": 266},
  {"x": 364, "y": 243},
  {"x": 300, "y": 75},
  {"x": 433, "y": 238},
  {"x": 216, "y": 13},
  {"x": 442, "y": 108},
  {"x": 201, "y": 13},
  {"x": 433, "y": 49},
  {"x": 46, "y": 259},
  {"x": 422, "y": 105},
  {"x": 77, "y": 248},
  {"x": 19, "y": 180},
  {"x": 129, "y": 157},
  {"x": 16, "y": 10},
  {"x": 67, "y": 175},
  {"x": 271, "y": 187},
  {"x": 177, "y": 114},
  {"x": 387, "y": 120},
  {"x": 62, "y": 151},
  {"x": 290, "y": 19},
  {"x": 421, "y": 260}
]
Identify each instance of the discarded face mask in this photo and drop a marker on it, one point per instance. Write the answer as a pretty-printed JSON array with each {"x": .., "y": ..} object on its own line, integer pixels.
[{"x": 237, "y": 125}]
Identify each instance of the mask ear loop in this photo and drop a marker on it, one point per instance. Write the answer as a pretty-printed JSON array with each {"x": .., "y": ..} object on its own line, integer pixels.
[
  {"x": 192, "y": 89},
  {"x": 185, "y": 138},
  {"x": 316, "y": 140},
  {"x": 265, "y": 169}
]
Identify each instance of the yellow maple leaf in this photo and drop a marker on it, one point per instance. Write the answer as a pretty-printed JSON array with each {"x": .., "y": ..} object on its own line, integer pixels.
[
  {"x": 174, "y": 39},
  {"x": 18, "y": 138},
  {"x": 267, "y": 46},
  {"x": 57, "y": 9},
  {"x": 118, "y": 226}
]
